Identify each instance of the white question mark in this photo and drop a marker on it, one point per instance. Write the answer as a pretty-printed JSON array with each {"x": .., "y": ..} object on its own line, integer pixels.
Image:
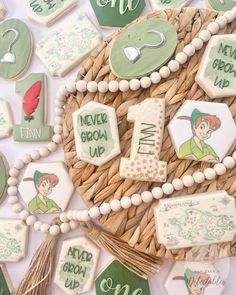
[{"x": 10, "y": 57}]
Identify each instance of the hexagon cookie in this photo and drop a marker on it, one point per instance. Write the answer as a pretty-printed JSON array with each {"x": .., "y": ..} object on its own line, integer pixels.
[
  {"x": 194, "y": 278},
  {"x": 202, "y": 131},
  {"x": 13, "y": 240},
  {"x": 46, "y": 187},
  {"x": 76, "y": 266},
  {"x": 217, "y": 71},
  {"x": 117, "y": 279},
  {"x": 117, "y": 13},
  {"x": 96, "y": 133}
]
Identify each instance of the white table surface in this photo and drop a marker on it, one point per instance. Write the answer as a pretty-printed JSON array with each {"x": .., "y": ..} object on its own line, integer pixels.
[{"x": 13, "y": 150}]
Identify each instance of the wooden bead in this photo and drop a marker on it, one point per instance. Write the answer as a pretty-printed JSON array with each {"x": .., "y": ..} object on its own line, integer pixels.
[
  {"x": 188, "y": 180},
  {"x": 54, "y": 230},
  {"x": 220, "y": 169},
  {"x": 74, "y": 224},
  {"x": 167, "y": 188},
  {"x": 205, "y": 35},
  {"x": 60, "y": 97},
  {"x": 113, "y": 86},
  {"x": 44, "y": 152},
  {"x": 164, "y": 72},
  {"x": 14, "y": 172},
  {"x": 115, "y": 205},
  {"x": 35, "y": 155},
  {"x": 147, "y": 197},
  {"x": 59, "y": 103},
  {"x": 71, "y": 87},
  {"x": 44, "y": 228},
  {"x": 63, "y": 90},
  {"x": 92, "y": 86},
  {"x": 24, "y": 214},
  {"x": 173, "y": 65},
  {"x": 229, "y": 162},
  {"x": 57, "y": 138},
  {"x": 31, "y": 220},
  {"x": 63, "y": 217},
  {"x": 84, "y": 215},
  {"x": 209, "y": 173},
  {"x": 177, "y": 184},
  {"x": 198, "y": 177},
  {"x": 12, "y": 200},
  {"x": 102, "y": 86},
  {"x": 26, "y": 159},
  {"x": 12, "y": 181},
  {"x": 37, "y": 225},
  {"x": 124, "y": 85},
  {"x": 229, "y": 15},
  {"x": 155, "y": 77},
  {"x": 213, "y": 27},
  {"x": 145, "y": 82},
  {"x": 19, "y": 164},
  {"x": 136, "y": 199},
  {"x": 59, "y": 111},
  {"x": 134, "y": 84},
  {"x": 12, "y": 190},
  {"x": 157, "y": 193},
  {"x": 65, "y": 227},
  {"x": 197, "y": 43},
  {"x": 94, "y": 212},
  {"x": 52, "y": 146},
  {"x": 181, "y": 58},
  {"x": 125, "y": 202},
  {"x": 105, "y": 208},
  {"x": 17, "y": 207},
  {"x": 189, "y": 50},
  {"x": 221, "y": 21},
  {"x": 58, "y": 120},
  {"x": 57, "y": 129},
  {"x": 81, "y": 85}
]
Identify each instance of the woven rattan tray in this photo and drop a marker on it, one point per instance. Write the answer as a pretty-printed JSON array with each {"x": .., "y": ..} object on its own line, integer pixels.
[{"x": 136, "y": 225}]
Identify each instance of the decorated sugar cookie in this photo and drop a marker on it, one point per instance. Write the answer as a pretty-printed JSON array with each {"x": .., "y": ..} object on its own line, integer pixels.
[
  {"x": 195, "y": 278},
  {"x": 117, "y": 13},
  {"x": 144, "y": 163},
  {"x": 221, "y": 5},
  {"x": 164, "y": 4},
  {"x": 142, "y": 48},
  {"x": 6, "y": 123},
  {"x": 217, "y": 70},
  {"x": 46, "y": 187},
  {"x": 66, "y": 47},
  {"x": 16, "y": 48},
  {"x": 117, "y": 278},
  {"x": 3, "y": 177},
  {"x": 3, "y": 12},
  {"x": 47, "y": 12},
  {"x": 13, "y": 240},
  {"x": 195, "y": 220},
  {"x": 209, "y": 131},
  {"x": 96, "y": 133},
  {"x": 32, "y": 90},
  {"x": 6, "y": 287},
  {"x": 77, "y": 265}
]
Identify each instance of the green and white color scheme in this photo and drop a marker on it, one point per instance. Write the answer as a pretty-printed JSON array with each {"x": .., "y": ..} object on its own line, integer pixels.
[
  {"x": 66, "y": 47},
  {"x": 144, "y": 164},
  {"x": 3, "y": 12},
  {"x": 6, "y": 123},
  {"x": 145, "y": 35},
  {"x": 217, "y": 71},
  {"x": 6, "y": 287},
  {"x": 13, "y": 240},
  {"x": 195, "y": 220},
  {"x": 202, "y": 131},
  {"x": 117, "y": 13},
  {"x": 164, "y": 4},
  {"x": 96, "y": 133},
  {"x": 221, "y": 5},
  {"x": 46, "y": 187},
  {"x": 33, "y": 92},
  {"x": 47, "y": 12},
  {"x": 3, "y": 178},
  {"x": 194, "y": 278},
  {"x": 77, "y": 264},
  {"x": 16, "y": 48},
  {"x": 117, "y": 279}
]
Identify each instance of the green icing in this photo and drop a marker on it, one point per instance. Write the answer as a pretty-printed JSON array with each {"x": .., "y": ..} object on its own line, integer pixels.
[
  {"x": 221, "y": 66},
  {"x": 170, "y": 3},
  {"x": 45, "y": 7},
  {"x": 21, "y": 49},
  {"x": 117, "y": 13},
  {"x": 222, "y": 5},
  {"x": 3, "y": 178},
  {"x": 151, "y": 58},
  {"x": 76, "y": 268},
  {"x": 34, "y": 129},
  {"x": 117, "y": 279},
  {"x": 4, "y": 289},
  {"x": 95, "y": 133}
]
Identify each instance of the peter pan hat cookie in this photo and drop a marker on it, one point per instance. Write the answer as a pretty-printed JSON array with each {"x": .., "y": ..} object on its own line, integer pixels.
[{"x": 48, "y": 12}]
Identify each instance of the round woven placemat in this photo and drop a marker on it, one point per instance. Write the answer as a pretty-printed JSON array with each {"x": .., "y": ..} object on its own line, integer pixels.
[{"x": 136, "y": 225}]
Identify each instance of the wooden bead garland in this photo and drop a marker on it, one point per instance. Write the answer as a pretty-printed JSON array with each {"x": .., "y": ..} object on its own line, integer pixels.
[{"x": 69, "y": 219}]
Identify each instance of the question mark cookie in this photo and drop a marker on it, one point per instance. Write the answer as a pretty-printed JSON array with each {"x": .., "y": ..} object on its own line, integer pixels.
[{"x": 15, "y": 49}]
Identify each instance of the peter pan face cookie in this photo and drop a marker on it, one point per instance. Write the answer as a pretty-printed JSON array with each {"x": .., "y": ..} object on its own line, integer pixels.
[
  {"x": 196, "y": 220},
  {"x": 202, "y": 131},
  {"x": 6, "y": 123},
  {"x": 221, "y": 5},
  {"x": 163, "y": 4},
  {"x": 117, "y": 13},
  {"x": 3, "y": 12},
  {"x": 46, "y": 187},
  {"x": 195, "y": 278},
  {"x": 77, "y": 265},
  {"x": 118, "y": 279},
  {"x": 4, "y": 176},
  {"x": 142, "y": 48},
  {"x": 13, "y": 240},
  {"x": 217, "y": 71},
  {"x": 64, "y": 48},
  {"x": 15, "y": 49},
  {"x": 6, "y": 287},
  {"x": 144, "y": 163},
  {"x": 32, "y": 89},
  {"x": 47, "y": 12},
  {"x": 96, "y": 133}
]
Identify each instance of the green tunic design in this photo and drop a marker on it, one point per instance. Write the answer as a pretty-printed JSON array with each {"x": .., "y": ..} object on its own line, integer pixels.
[
  {"x": 190, "y": 148},
  {"x": 37, "y": 206}
]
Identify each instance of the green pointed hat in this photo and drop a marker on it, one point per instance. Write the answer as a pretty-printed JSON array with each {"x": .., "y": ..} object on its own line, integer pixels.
[
  {"x": 195, "y": 115},
  {"x": 187, "y": 276},
  {"x": 37, "y": 175}
]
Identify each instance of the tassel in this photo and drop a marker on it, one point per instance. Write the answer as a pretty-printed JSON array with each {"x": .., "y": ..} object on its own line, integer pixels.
[
  {"x": 143, "y": 264},
  {"x": 38, "y": 278}
]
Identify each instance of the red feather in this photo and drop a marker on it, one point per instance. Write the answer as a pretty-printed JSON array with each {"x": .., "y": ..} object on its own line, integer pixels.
[{"x": 31, "y": 98}]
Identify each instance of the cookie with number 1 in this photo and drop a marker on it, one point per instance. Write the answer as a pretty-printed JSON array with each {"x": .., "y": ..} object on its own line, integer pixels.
[{"x": 47, "y": 12}]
